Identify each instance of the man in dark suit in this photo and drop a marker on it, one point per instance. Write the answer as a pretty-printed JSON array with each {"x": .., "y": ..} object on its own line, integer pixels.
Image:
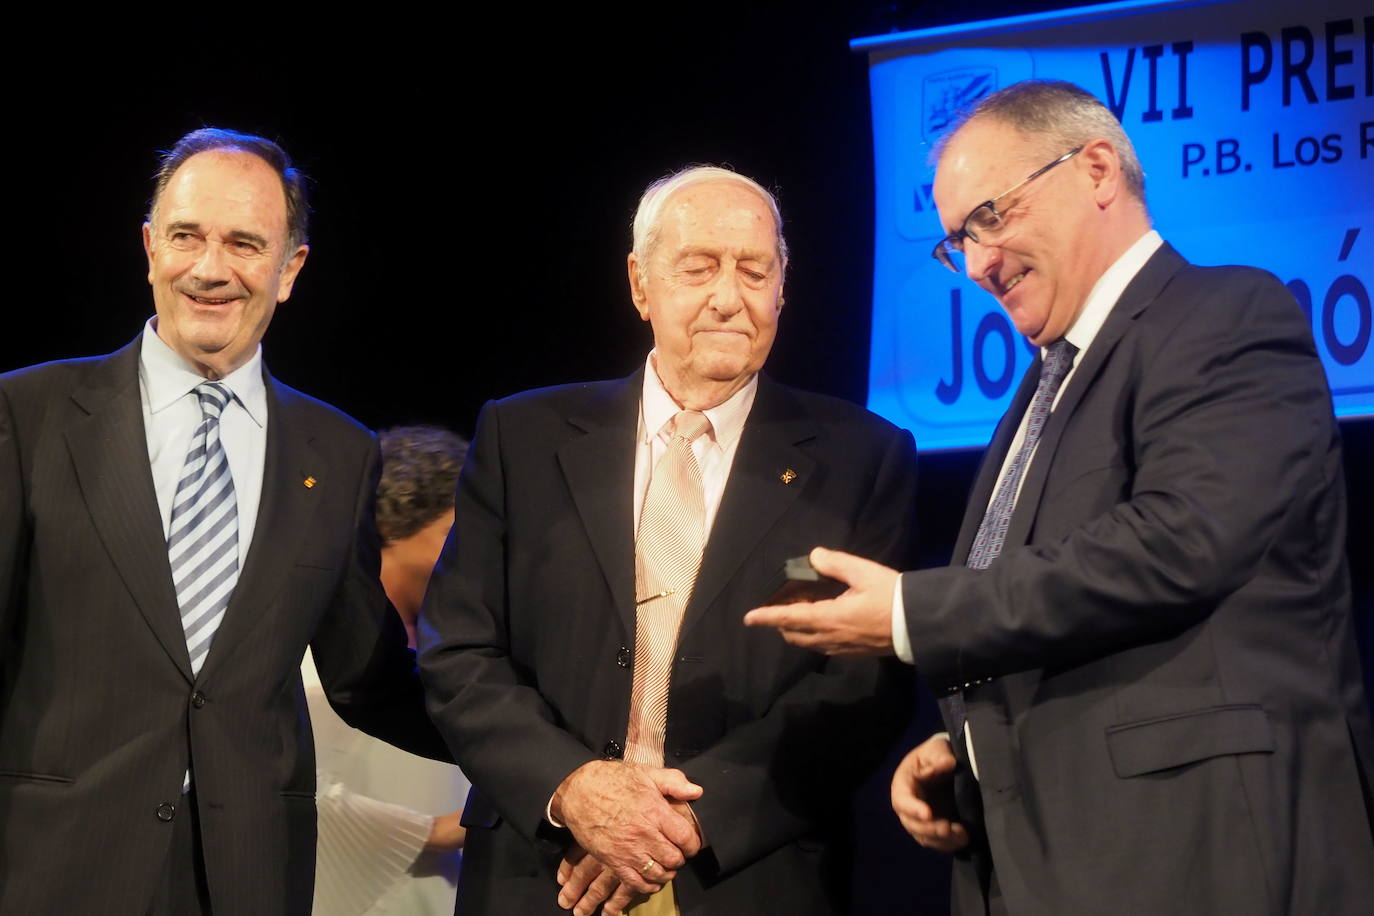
[
  {"x": 540, "y": 634},
  {"x": 175, "y": 527},
  {"x": 1145, "y": 646}
]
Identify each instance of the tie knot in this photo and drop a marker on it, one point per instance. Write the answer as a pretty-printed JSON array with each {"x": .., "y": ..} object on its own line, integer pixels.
[
  {"x": 214, "y": 397},
  {"x": 690, "y": 424},
  {"x": 1058, "y": 358}
]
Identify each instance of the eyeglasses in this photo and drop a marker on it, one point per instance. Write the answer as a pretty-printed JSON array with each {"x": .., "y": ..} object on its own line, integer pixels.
[{"x": 985, "y": 220}]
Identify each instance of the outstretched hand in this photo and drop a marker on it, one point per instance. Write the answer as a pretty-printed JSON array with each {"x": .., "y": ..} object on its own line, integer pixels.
[{"x": 858, "y": 622}]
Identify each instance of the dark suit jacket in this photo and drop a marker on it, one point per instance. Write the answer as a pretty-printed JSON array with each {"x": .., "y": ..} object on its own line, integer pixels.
[
  {"x": 1163, "y": 687},
  {"x": 527, "y": 639},
  {"x": 99, "y": 713}
]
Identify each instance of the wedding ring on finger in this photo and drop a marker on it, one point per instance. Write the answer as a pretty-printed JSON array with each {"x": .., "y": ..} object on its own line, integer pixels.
[{"x": 644, "y": 869}]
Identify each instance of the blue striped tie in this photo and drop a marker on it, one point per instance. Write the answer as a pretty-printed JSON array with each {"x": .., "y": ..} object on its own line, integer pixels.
[{"x": 203, "y": 538}]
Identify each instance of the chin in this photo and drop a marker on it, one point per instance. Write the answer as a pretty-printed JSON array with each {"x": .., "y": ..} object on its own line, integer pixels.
[{"x": 723, "y": 370}]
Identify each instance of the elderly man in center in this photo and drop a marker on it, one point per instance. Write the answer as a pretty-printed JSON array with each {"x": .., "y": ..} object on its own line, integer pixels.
[{"x": 582, "y": 630}]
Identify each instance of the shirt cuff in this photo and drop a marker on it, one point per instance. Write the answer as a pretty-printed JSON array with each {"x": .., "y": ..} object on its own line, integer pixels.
[
  {"x": 901, "y": 641},
  {"x": 548, "y": 813}
]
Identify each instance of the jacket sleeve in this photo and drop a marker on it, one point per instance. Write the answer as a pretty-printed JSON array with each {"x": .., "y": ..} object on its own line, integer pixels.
[
  {"x": 1227, "y": 430},
  {"x": 13, "y": 528},
  {"x": 368, "y": 673},
  {"x": 489, "y": 705}
]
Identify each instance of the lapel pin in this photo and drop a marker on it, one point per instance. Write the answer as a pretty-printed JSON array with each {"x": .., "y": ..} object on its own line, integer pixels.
[
  {"x": 788, "y": 476},
  {"x": 309, "y": 482}
]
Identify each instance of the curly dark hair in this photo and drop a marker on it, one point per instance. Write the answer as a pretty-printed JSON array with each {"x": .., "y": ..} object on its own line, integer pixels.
[{"x": 420, "y": 466}]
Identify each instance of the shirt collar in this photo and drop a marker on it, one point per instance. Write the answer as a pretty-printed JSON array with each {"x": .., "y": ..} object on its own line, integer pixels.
[
  {"x": 1108, "y": 290},
  {"x": 657, "y": 407},
  {"x": 167, "y": 377}
]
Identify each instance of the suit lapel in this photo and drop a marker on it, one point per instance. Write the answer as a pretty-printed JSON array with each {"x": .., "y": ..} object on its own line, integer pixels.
[
  {"x": 109, "y": 450},
  {"x": 1143, "y": 289},
  {"x": 598, "y": 467},
  {"x": 285, "y": 509},
  {"x": 756, "y": 495}
]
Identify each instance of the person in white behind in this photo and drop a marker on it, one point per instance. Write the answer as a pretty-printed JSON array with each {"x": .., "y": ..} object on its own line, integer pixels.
[{"x": 378, "y": 850}]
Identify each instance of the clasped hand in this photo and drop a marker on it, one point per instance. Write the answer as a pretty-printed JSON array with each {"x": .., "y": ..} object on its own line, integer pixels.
[{"x": 632, "y": 828}]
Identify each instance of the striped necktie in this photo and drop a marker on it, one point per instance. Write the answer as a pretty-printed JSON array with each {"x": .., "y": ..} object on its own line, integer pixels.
[
  {"x": 672, "y": 533},
  {"x": 992, "y": 532},
  {"x": 203, "y": 537}
]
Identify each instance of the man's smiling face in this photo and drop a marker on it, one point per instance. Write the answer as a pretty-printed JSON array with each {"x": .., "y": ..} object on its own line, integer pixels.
[
  {"x": 218, "y": 258},
  {"x": 1045, "y": 259}
]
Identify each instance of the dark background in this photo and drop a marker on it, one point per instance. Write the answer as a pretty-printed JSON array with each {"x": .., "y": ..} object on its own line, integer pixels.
[{"x": 474, "y": 175}]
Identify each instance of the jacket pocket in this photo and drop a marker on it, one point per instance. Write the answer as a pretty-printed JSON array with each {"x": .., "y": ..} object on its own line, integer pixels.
[{"x": 1137, "y": 748}]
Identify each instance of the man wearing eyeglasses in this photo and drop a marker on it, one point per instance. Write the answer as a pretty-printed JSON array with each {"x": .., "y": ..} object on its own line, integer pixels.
[{"x": 1144, "y": 647}]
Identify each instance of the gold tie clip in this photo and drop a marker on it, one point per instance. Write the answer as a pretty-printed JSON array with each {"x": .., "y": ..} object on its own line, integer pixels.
[{"x": 663, "y": 594}]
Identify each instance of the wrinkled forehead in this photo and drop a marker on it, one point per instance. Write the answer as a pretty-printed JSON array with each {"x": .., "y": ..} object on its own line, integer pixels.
[
  {"x": 721, "y": 209},
  {"x": 226, "y": 182}
]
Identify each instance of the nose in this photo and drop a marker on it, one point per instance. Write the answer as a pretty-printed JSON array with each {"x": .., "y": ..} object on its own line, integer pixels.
[
  {"x": 212, "y": 266},
  {"x": 980, "y": 259},
  {"x": 727, "y": 297}
]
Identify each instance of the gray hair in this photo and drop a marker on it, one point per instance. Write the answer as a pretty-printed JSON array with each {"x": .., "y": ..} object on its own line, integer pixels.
[
  {"x": 208, "y": 139},
  {"x": 1063, "y": 114},
  {"x": 649, "y": 216}
]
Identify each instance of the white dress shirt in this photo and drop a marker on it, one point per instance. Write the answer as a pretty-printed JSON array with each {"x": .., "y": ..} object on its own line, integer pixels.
[
  {"x": 1101, "y": 299},
  {"x": 714, "y": 451},
  {"x": 171, "y": 415}
]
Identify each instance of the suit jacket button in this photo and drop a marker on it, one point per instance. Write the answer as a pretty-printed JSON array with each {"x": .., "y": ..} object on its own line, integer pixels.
[
  {"x": 613, "y": 750},
  {"x": 622, "y": 657},
  {"x": 197, "y": 699},
  {"x": 166, "y": 811}
]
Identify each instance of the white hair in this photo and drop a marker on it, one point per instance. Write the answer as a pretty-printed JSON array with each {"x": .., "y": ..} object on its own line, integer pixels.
[{"x": 649, "y": 215}]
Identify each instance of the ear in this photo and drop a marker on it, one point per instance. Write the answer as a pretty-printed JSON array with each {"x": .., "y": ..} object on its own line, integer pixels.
[
  {"x": 637, "y": 294},
  {"x": 782, "y": 288},
  {"x": 148, "y": 249},
  {"x": 289, "y": 272},
  {"x": 1104, "y": 169}
]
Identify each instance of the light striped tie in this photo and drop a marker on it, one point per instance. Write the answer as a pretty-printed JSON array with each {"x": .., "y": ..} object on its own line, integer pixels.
[
  {"x": 672, "y": 532},
  {"x": 203, "y": 537}
]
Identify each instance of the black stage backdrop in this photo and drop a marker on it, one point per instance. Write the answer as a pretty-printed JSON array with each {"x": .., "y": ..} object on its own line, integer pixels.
[{"x": 474, "y": 175}]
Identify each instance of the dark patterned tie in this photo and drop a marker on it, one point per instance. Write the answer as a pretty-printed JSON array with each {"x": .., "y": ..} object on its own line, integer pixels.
[
  {"x": 992, "y": 532},
  {"x": 203, "y": 538}
]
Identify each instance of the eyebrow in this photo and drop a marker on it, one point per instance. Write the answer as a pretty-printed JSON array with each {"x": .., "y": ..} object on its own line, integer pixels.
[
  {"x": 748, "y": 254},
  {"x": 237, "y": 235}
]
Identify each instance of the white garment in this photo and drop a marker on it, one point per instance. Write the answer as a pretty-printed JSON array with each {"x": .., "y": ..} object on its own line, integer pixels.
[
  {"x": 376, "y": 807},
  {"x": 714, "y": 451}
]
